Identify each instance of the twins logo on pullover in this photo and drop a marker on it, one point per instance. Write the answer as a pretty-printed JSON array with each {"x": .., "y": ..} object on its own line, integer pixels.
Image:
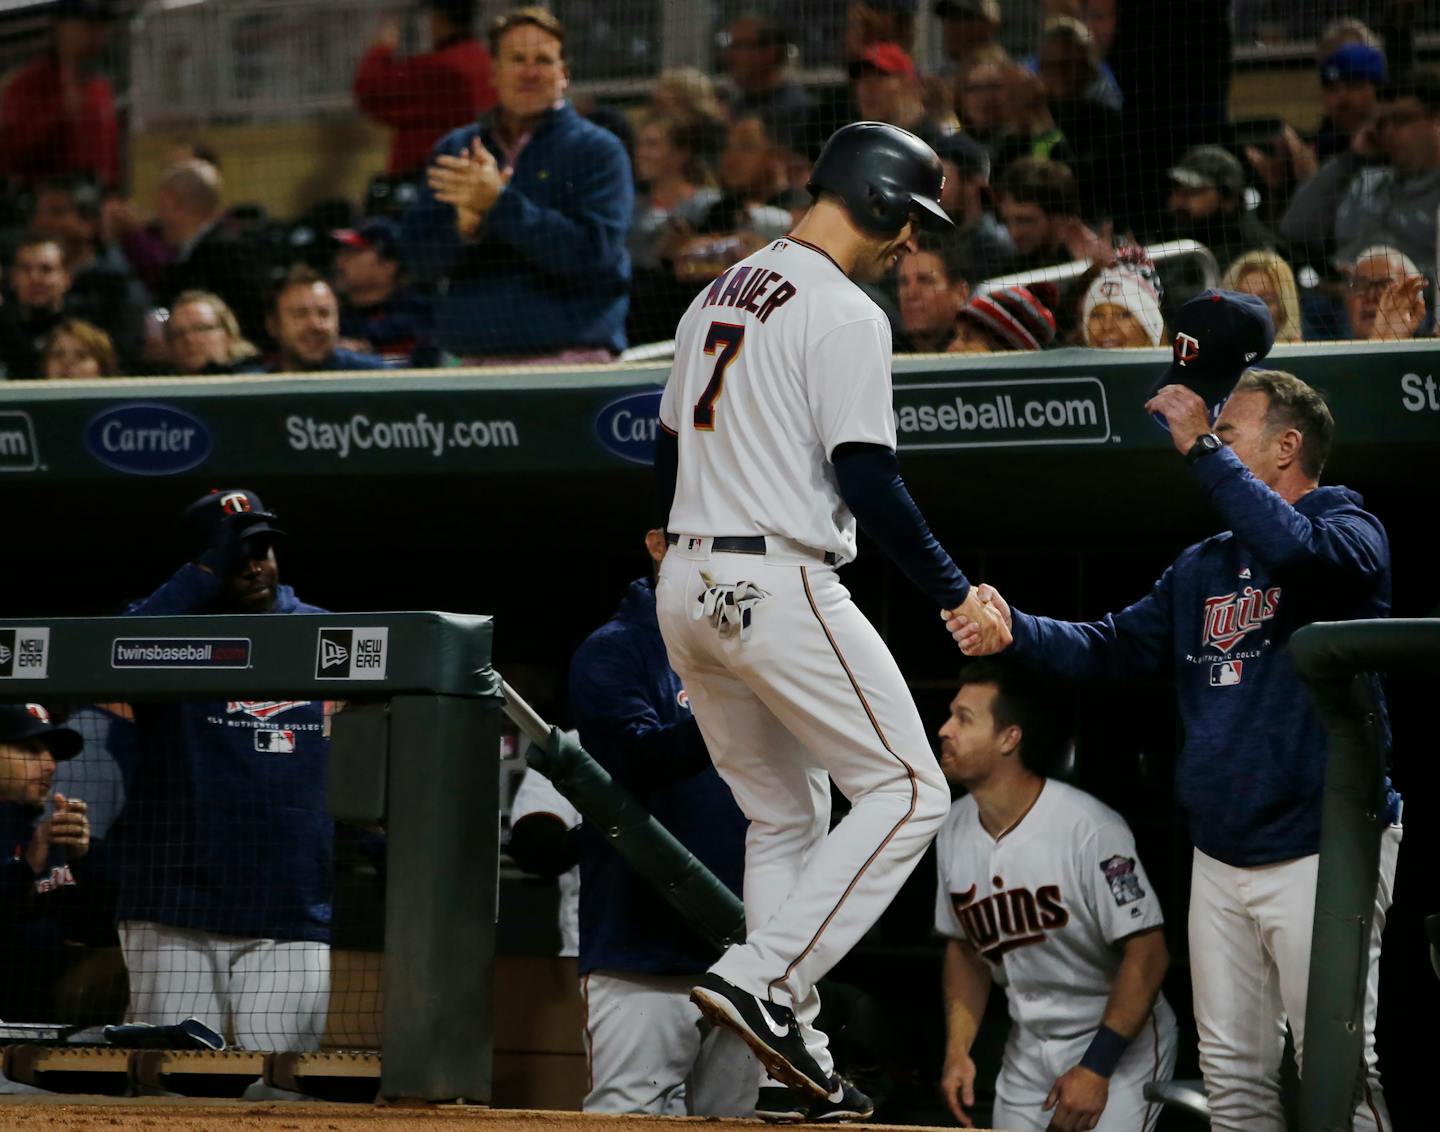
[
  {"x": 1228, "y": 620},
  {"x": 1009, "y": 919}
]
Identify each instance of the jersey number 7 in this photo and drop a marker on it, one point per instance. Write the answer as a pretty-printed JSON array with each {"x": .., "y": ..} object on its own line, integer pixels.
[{"x": 727, "y": 336}]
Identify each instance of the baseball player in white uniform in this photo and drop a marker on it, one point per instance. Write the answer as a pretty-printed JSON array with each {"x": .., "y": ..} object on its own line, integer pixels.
[
  {"x": 536, "y": 797},
  {"x": 1041, "y": 890},
  {"x": 777, "y": 436}
]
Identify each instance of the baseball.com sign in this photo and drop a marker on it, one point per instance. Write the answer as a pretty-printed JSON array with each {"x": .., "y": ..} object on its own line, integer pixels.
[
  {"x": 351, "y": 653},
  {"x": 1022, "y": 412},
  {"x": 24, "y": 653}
]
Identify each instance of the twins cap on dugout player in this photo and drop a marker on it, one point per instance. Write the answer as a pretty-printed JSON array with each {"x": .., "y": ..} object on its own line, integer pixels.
[
  {"x": 1218, "y": 335},
  {"x": 19, "y": 722},
  {"x": 199, "y": 520}
]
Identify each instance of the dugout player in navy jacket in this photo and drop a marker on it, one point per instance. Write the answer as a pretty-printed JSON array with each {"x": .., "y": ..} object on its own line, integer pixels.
[
  {"x": 42, "y": 882},
  {"x": 648, "y": 1049},
  {"x": 1250, "y": 775},
  {"x": 225, "y": 846}
]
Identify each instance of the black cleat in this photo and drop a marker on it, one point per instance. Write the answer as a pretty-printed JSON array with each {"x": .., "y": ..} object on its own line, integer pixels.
[
  {"x": 770, "y": 1030},
  {"x": 779, "y": 1105}
]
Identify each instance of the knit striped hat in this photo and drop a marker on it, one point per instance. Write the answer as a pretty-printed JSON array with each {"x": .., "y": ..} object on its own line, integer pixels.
[{"x": 1015, "y": 315}]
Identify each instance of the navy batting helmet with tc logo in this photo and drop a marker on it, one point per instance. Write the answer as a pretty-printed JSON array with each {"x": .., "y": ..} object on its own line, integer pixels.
[{"x": 885, "y": 176}]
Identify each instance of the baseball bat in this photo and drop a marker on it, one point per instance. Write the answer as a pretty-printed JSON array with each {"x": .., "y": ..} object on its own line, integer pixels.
[{"x": 711, "y": 909}]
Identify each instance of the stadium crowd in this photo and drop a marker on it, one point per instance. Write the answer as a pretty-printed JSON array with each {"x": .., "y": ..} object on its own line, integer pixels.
[{"x": 509, "y": 227}]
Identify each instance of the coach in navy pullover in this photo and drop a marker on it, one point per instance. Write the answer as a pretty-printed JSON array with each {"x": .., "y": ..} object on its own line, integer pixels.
[
  {"x": 1251, "y": 773},
  {"x": 634, "y": 718},
  {"x": 225, "y": 830},
  {"x": 542, "y": 264}
]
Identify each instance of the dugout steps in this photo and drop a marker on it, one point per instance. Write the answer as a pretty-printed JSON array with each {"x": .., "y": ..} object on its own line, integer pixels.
[{"x": 332, "y": 1075}]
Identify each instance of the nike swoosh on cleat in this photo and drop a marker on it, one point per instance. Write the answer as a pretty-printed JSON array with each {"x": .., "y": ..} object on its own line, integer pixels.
[{"x": 778, "y": 1031}]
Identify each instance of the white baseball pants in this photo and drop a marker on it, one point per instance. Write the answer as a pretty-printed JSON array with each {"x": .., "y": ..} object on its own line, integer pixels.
[
  {"x": 649, "y": 1052},
  {"x": 811, "y": 692},
  {"x": 1033, "y": 1064},
  {"x": 1250, "y": 966},
  {"x": 271, "y": 994}
]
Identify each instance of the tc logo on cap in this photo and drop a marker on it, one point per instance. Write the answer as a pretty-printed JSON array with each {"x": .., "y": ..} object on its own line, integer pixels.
[
  {"x": 235, "y": 502},
  {"x": 38, "y": 712},
  {"x": 1187, "y": 349}
]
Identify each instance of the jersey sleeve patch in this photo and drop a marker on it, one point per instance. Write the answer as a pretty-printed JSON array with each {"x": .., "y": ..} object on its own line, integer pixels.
[{"x": 1121, "y": 876}]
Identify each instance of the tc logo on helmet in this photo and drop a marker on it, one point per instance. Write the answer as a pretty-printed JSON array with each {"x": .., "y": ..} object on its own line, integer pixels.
[{"x": 234, "y": 502}]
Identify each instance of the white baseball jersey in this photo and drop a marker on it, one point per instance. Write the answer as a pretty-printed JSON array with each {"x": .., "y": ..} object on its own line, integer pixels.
[
  {"x": 784, "y": 345},
  {"x": 1046, "y": 904},
  {"x": 536, "y": 794}
]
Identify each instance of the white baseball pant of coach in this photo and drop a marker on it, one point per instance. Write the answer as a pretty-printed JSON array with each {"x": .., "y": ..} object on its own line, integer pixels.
[
  {"x": 1250, "y": 933},
  {"x": 274, "y": 995},
  {"x": 810, "y": 691},
  {"x": 648, "y": 1054}
]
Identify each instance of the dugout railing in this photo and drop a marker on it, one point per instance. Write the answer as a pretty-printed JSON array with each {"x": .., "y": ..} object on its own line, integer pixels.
[
  {"x": 416, "y": 750},
  {"x": 1336, "y": 660}
]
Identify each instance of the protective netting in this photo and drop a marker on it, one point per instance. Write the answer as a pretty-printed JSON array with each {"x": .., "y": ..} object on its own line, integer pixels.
[
  {"x": 210, "y": 884},
  {"x": 210, "y": 187}
]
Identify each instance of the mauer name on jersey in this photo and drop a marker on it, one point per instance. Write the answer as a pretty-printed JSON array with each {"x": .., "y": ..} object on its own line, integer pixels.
[
  {"x": 1009, "y": 919},
  {"x": 1230, "y": 617},
  {"x": 745, "y": 287}
]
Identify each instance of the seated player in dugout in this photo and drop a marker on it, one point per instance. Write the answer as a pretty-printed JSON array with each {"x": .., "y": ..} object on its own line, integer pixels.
[
  {"x": 1041, "y": 889},
  {"x": 46, "y": 837}
]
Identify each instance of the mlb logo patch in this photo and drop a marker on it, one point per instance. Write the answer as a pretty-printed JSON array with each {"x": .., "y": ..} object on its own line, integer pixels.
[
  {"x": 352, "y": 654},
  {"x": 1225, "y": 673},
  {"x": 276, "y": 742}
]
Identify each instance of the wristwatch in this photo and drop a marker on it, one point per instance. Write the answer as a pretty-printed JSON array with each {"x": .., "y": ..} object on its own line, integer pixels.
[{"x": 1205, "y": 443}]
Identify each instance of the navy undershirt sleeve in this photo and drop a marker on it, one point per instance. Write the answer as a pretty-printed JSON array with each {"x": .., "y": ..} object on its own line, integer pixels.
[
  {"x": 869, "y": 479},
  {"x": 667, "y": 469}
]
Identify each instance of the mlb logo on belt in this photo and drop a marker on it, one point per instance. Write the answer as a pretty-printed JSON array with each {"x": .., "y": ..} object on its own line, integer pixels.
[{"x": 352, "y": 654}]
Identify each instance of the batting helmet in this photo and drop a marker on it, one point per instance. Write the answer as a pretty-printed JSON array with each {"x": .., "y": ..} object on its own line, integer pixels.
[{"x": 885, "y": 175}]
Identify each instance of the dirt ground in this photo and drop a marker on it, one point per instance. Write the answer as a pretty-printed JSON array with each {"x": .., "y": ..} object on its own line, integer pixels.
[{"x": 29, "y": 1114}]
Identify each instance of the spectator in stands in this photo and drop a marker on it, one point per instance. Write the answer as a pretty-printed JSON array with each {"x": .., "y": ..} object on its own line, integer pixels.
[
  {"x": 224, "y": 843},
  {"x": 56, "y": 116},
  {"x": 688, "y": 94},
  {"x": 1012, "y": 318},
  {"x": 1290, "y": 167},
  {"x": 525, "y": 216},
  {"x": 103, "y": 290},
  {"x": 675, "y": 196},
  {"x": 304, "y": 321},
  {"x": 1039, "y": 204},
  {"x": 203, "y": 337},
  {"x": 966, "y": 26},
  {"x": 879, "y": 21},
  {"x": 887, "y": 89},
  {"x": 209, "y": 256},
  {"x": 986, "y": 249},
  {"x": 931, "y": 285},
  {"x": 380, "y": 312},
  {"x": 1396, "y": 204},
  {"x": 1102, "y": 18},
  {"x": 981, "y": 92},
  {"x": 1081, "y": 106},
  {"x": 745, "y": 217},
  {"x": 1269, "y": 277},
  {"x": 1385, "y": 297},
  {"x": 38, "y": 285},
  {"x": 424, "y": 96},
  {"x": 41, "y": 869},
  {"x": 76, "y": 348},
  {"x": 1207, "y": 204},
  {"x": 1004, "y": 107},
  {"x": 756, "y": 51},
  {"x": 1121, "y": 309}
]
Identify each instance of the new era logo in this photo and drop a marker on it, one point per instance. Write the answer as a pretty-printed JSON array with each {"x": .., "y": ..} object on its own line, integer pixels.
[
  {"x": 352, "y": 654},
  {"x": 24, "y": 653}
]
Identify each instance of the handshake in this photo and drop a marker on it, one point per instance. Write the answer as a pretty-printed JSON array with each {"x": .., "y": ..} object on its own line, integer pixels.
[{"x": 981, "y": 623}]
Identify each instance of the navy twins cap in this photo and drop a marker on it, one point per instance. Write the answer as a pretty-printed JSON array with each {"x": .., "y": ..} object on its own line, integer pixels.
[
  {"x": 19, "y": 722},
  {"x": 199, "y": 520},
  {"x": 1218, "y": 335}
]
